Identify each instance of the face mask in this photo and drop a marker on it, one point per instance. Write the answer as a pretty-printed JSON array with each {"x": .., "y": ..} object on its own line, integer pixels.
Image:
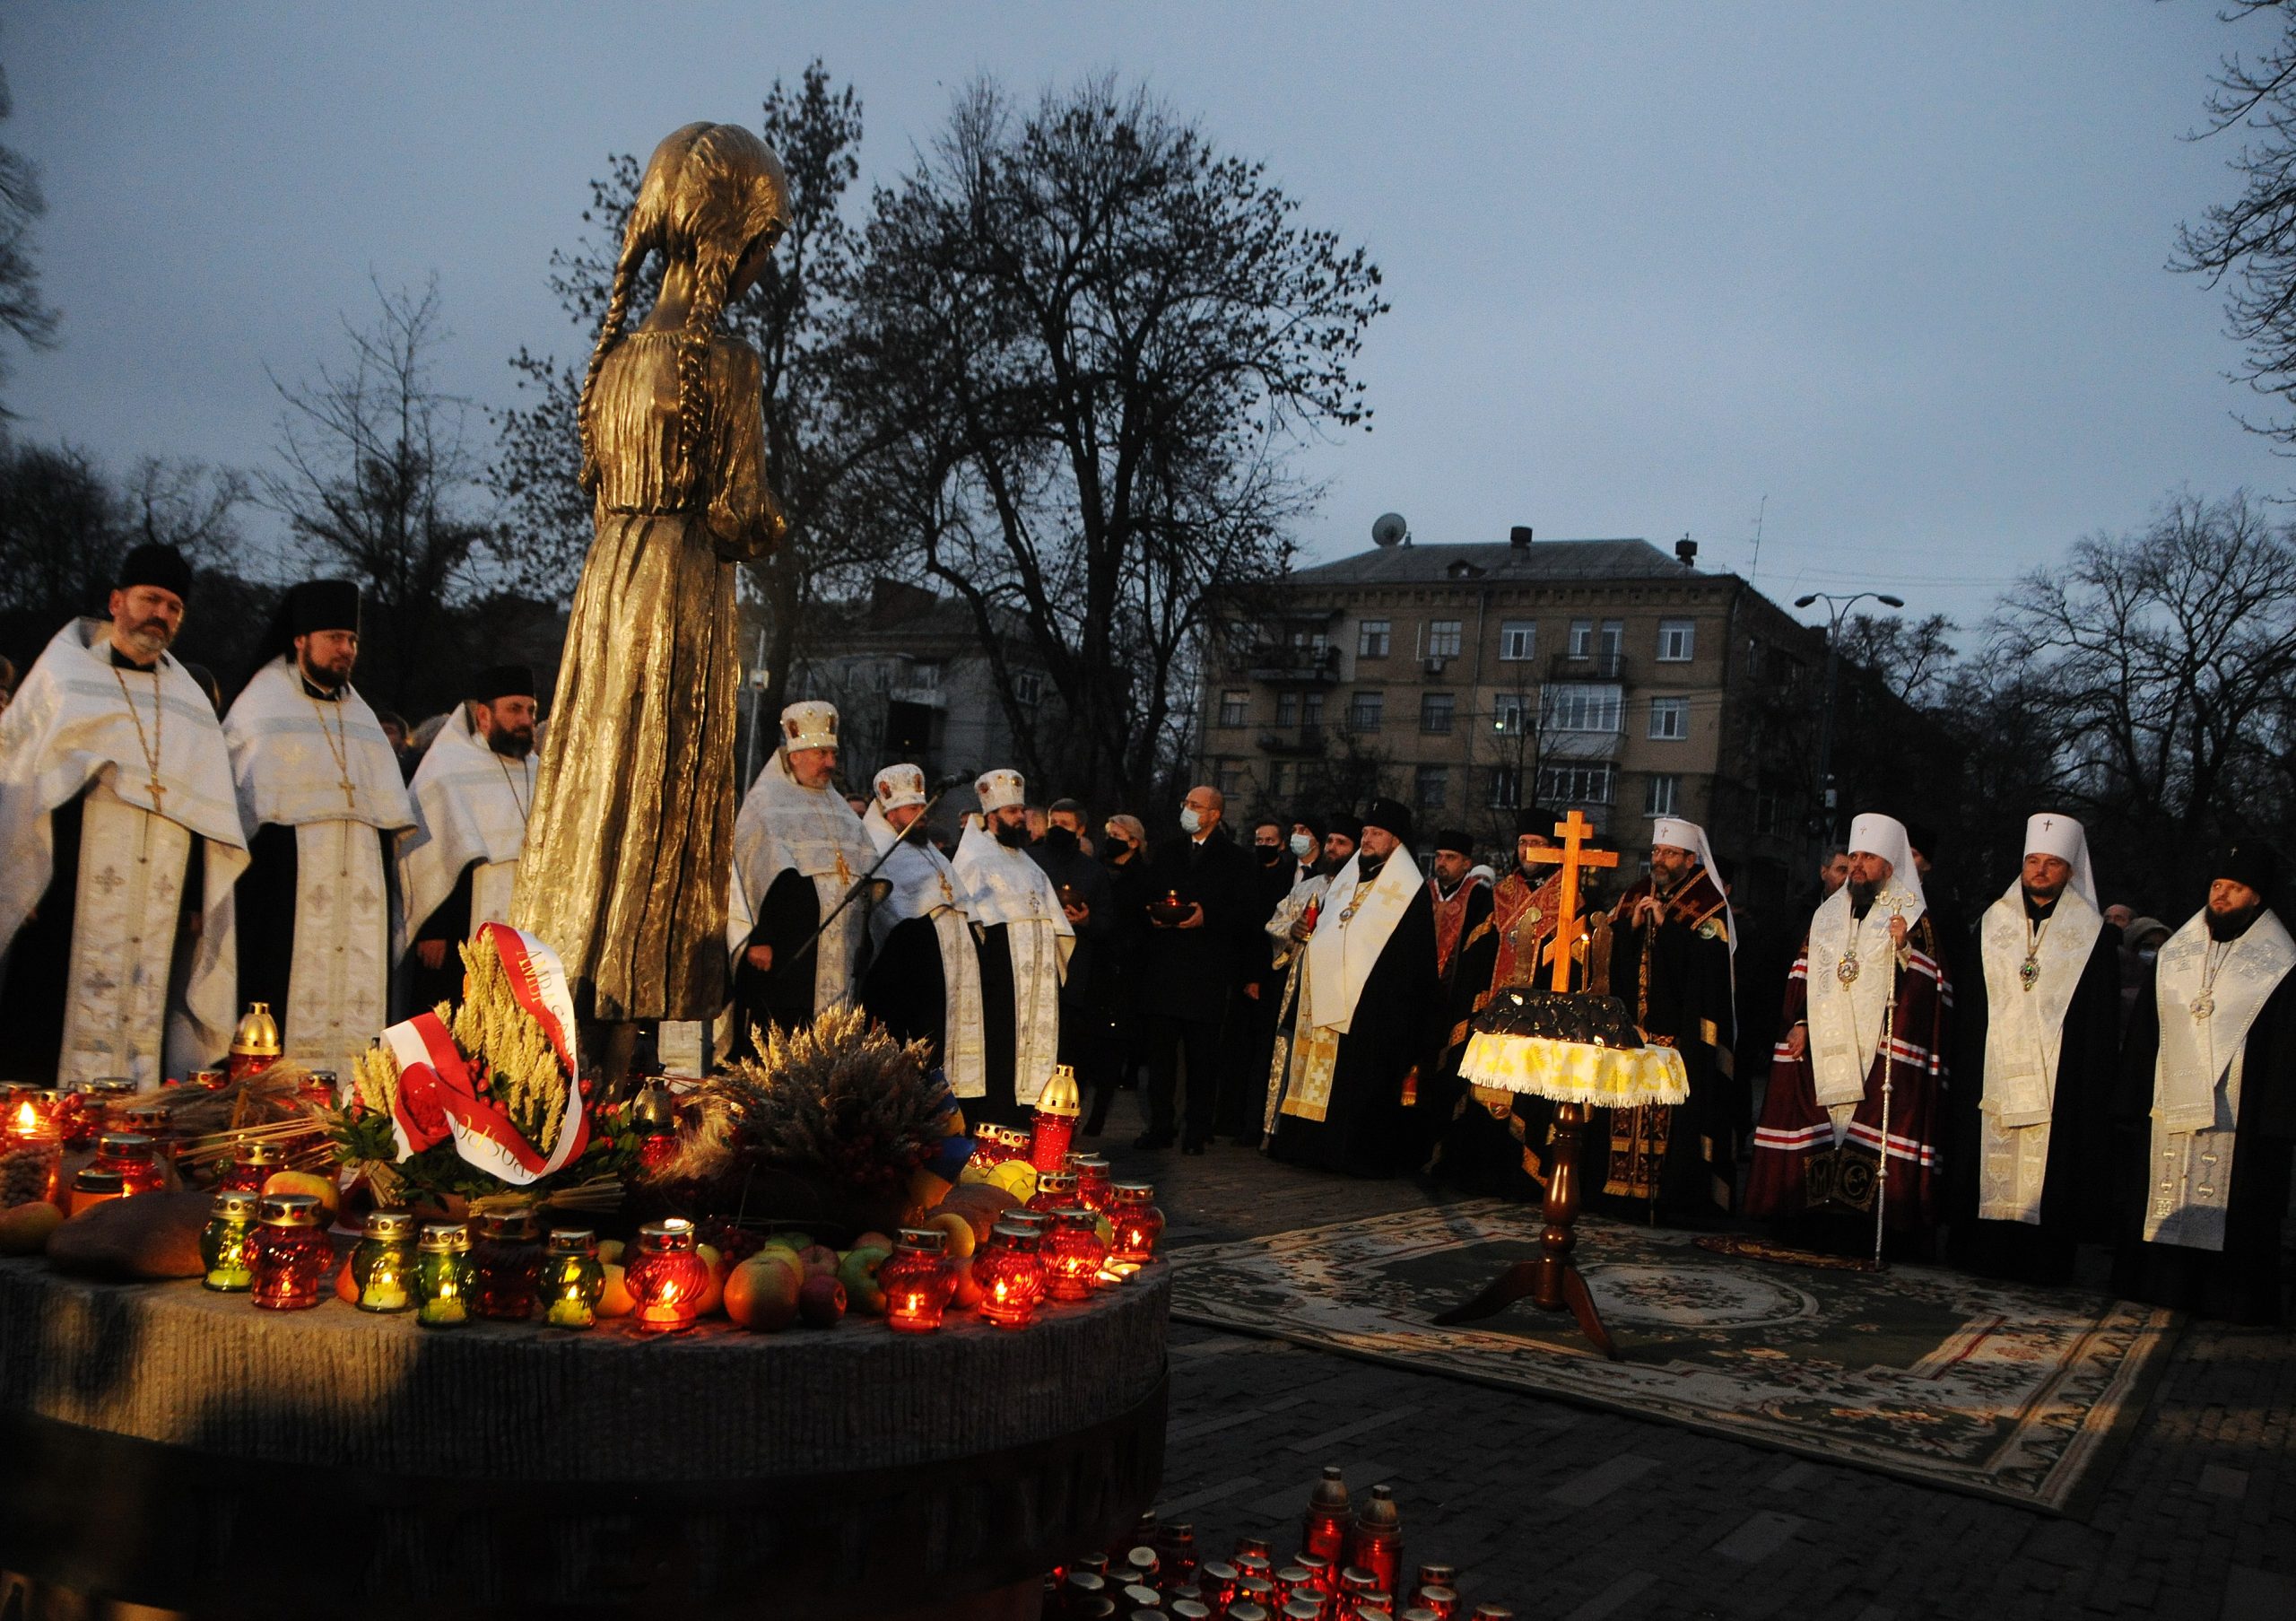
[
  {"x": 1302, "y": 847},
  {"x": 1269, "y": 854},
  {"x": 1190, "y": 823},
  {"x": 2145, "y": 953},
  {"x": 1061, "y": 838}
]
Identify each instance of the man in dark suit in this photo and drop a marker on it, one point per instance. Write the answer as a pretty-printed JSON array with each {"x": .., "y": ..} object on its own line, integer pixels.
[{"x": 1202, "y": 894}]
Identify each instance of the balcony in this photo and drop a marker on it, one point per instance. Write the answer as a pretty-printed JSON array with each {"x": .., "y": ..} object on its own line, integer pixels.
[
  {"x": 1596, "y": 666},
  {"x": 1310, "y": 666},
  {"x": 1292, "y": 742}
]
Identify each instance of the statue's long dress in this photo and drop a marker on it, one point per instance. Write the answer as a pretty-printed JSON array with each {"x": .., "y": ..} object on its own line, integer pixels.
[{"x": 631, "y": 838}]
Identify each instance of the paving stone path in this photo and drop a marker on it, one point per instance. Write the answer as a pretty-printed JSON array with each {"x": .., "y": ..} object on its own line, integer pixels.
[{"x": 1569, "y": 1514}]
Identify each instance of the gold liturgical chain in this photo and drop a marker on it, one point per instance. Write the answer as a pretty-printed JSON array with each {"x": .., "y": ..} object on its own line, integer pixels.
[
  {"x": 338, "y": 744},
  {"x": 152, "y": 746}
]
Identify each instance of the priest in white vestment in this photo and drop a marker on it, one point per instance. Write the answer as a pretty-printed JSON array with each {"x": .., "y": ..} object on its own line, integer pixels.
[
  {"x": 923, "y": 982},
  {"x": 2039, "y": 1037},
  {"x": 472, "y": 795},
  {"x": 324, "y": 803},
  {"x": 1025, "y": 937},
  {"x": 119, "y": 845},
  {"x": 795, "y": 926}
]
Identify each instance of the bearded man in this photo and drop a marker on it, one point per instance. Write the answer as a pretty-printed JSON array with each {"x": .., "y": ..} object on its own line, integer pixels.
[
  {"x": 923, "y": 982},
  {"x": 119, "y": 845},
  {"x": 1025, "y": 937},
  {"x": 472, "y": 795},
  {"x": 2208, "y": 1105},
  {"x": 323, "y": 801}
]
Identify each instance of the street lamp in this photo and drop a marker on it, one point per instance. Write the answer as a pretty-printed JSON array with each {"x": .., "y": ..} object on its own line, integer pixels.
[{"x": 1837, "y": 607}]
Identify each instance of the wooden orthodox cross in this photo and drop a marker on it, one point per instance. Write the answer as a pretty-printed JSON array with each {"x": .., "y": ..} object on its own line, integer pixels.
[{"x": 1574, "y": 856}]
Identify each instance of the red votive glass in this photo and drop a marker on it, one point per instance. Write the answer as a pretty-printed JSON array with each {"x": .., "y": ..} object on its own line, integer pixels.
[
  {"x": 251, "y": 1167},
  {"x": 1216, "y": 1580},
  {"x": 1319, "y": 1570},
  {"x": 668, "y": 1279},
  {"x": 1056, "y": 1190},
  {"x": 1494, "y": 1612},
  {"x": 31, "y": 1160},
  {"x": 1444, "y": 1576},
  {"x": 91, "y": 1188},
  {"x": 1247, "y": 1610},
  {"x": 655, "y": 1114},
  {"x": 1138, "y": 1225},
  {"x": 135, "y": 1158},
  {"x": 506, "y": 1266},
  {"x": 1009, "y": 1272},
  {"x": 1074, "y": 1257},
  {"x": 1093, "y": 1180},
  {"x": 1354, "y": 1581},
  {"x": 1187, "y": 1609},
  {"x": 1440, "y": 1602},
  {"x": 1302, "y": 1607},
  {"x": 292, "y": 1260},
  {"x": 917, "y": 1280},
  {"x": 1177, "y": 1542},
  {"x": 1055, "y": 1120},
  {"x": 106, "y": 1096},
  {"x": 1256, "y": 1590},
  {"x": 1375, "y": 1542}
]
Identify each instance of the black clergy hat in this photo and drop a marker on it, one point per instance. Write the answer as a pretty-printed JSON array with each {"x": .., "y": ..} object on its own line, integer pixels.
[
  {"x": 1921, "y": 837},
  {"x": 503, "y": 681},
  {"x": 2250, "y": 861},
  {"x": 1391, "y": 815},
  {"x": 1535, "y": 819},
  {"x": 1313, "y": 822},
  {"x": 1452, "y": 839},
  {"x": 321, "y": 605},
  {"x": 153, "y": 564},
  {"x": 1347, "y": 823}
]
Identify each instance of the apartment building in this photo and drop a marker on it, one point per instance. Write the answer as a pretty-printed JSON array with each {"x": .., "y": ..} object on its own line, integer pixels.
[{"x": 1469, "y": 679}]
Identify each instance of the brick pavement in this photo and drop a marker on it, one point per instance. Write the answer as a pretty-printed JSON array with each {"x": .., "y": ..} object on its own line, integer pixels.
[{"x": 1566, "y": 1513}]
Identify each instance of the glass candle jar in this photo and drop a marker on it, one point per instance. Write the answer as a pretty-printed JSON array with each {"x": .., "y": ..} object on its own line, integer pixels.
[
  {"x": 383, "y": 1265},
  {"x": 668, "y": 1280},
  {"x": 505, "y": 1266},
  {"x": 1437, "y": 1600},
  {"x": 917, "y": 1280},
  {"x": 91, "y": 1188},
  {"x": 1073, "y": 1256},
  {"x": 131, "y": 1156},
  {"x": 1494, "y": 1612},
  {"x": 1188, "y": 1609},
  {"x": 224, "y": 1242},
  {"x": 442, "y": 1275},
  {"x": 1138, "y": 1224},
  {"x": 1306, "y": 1606},
  {"x": 1258, "y": 1591},
  {"x": 1094, "y": 1180},
  {"x": 573, "y": 1281},
  {"x": 1247, "y": 1610},
  {"x": 107, "y": 1096},
  {"x": 31, "y": 1160},
  {"x": 1319, "y": 1570},
  {"x": 254, "y": 1167},
  {"x": 1216, "y": 1580},
  {"x": 1054, "y": 1120},
  {"x": 1444, "y": 1576},
  {"x": 1375, "y": 1541},
  {"x": 1056, "y": 1190},
  {"x": 320, "y": 1089},
  {"x": 289, "y": 1254},
  {"x": 653, "y": 1116},
  {"x": 1009, "y": 1272}
]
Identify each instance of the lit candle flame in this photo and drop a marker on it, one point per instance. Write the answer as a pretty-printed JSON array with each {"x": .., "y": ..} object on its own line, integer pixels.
[{"x": 27, "y": 1117}]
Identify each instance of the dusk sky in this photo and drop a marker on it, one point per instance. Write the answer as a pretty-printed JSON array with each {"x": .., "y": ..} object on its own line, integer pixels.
[{"x": 1898, "y": 269}]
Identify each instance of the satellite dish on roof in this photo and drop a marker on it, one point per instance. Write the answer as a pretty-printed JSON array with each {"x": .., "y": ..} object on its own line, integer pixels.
[{"x": 1390, "y": 529}]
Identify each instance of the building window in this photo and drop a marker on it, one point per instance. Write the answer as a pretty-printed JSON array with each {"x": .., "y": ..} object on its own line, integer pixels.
[
  {"x": 1279, "y": 780},
  {"x": 1575, "y": 784},
  {"x": 1518, "y": 640},
  {"x": 1027, "y": 686},
  {"x": 1371, "y": 638},
  {"x": 1511, "y": 714},
  {"x": 1669, "y": 719},
  {"x": 1435, "y": 712},
  {"x": 1428, "y": 785},
  {"x": 1660, "y": 794},
  {"x": 926, "y": 678},
  {"x": 1506, "y": 788},
  {"x": 1582, "y": 639},
  {"x": 1235, "y": 707},
  {"x": 1443, "y": 638},
  {"x": 1228, "y": 776},
  {"x": 1676, "y": 636},
  {"x": 1770, "y": 812},
  {"x": 1311, "y": 710},
  {"x": 1287, "y": 709},
  {"x": 1365, "y": 710},
  {"x": 1583, "y": 706}
]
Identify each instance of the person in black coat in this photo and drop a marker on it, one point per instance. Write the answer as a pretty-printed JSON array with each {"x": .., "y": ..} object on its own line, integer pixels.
[
  {"x": 1202, "y": 893},
  {"x": 1088, "y": 1027}
]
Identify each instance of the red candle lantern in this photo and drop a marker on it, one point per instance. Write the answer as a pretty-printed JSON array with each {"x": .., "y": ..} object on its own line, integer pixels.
[
  {"x": 1297, "y": 1581},
  {"x": 32, "y": 1159},
  {"x": 1248, "y": 1610},
  {"x": 1354, "y": 1581},
  {"x": 1056, "y": 1190},
  {"x": 506, "y": 1266},
  {"x": 1320, "y": 1570},
  {"x": 1074, "y": 1257},
  {"x": 1324, "y": 1533},
  {"x": 668, "y": 1279},
  {"x": 290, "y": 1257},
  {"x": 1009, "y": 1272},
  {"x": 1375, "y": 1542},
  {"x": 1215, "y": 1579},
  {"x": 917, "y": 1280},
  {"x": 107, "y": 1096},
  {"x": 1093, "y": 1181},
  {"x": 654, "y": 1113},
  {"x": 1139, "y": 1224},
  {"x": 254, "y": 1167},
  {"x": 1438, "y": 1601},
  {"x": 134, "y": 1158},
  {"x": 1057, "y": 1107},
  {"x": 254, "y": 1044}
]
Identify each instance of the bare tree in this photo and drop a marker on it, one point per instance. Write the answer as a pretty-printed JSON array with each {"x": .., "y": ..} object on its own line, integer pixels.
[
  {"x": 60, "y": 539},
  {"x": 1092, "y": 340},
  {"x": 22, "y": 311},
  {"x": 375, "y": 479},
  {"x": 1914, "y": 660}
]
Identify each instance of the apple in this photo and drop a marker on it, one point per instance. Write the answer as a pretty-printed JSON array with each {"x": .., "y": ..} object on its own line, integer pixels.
[
  {"x": 873, "y": 1240},
  {"x": 24, "y": 1229},
  {"x": 761, "y": 1295},
  {"x": 714, "y": 1296},
  {"x": 616, "y": 1301},
  {"x": 821, "y": 1302},
  {"x": 962, "y": 1240},
  {"x": 819, "y": 1259},
  {"x": 610, "y": 1251},
  {"x": 320, "y": 1188},
  {"x": 783, "y": 1256},
  {"x": 859, "y": 1274},
  {"x": 346, "y": 1288},
  {"x": 799, "y": 1241},
  {"x": 966, "y": 1294}
]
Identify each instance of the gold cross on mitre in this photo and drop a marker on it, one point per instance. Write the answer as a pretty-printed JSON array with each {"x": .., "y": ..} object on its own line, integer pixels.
[{"x": 1573, "y": 830}]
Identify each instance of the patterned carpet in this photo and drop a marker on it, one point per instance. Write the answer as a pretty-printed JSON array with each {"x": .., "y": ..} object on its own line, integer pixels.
[{"x": 2014, "y": 1393}]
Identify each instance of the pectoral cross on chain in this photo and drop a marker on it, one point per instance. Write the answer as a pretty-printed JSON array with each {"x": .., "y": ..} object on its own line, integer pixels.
[{"x": 1574, "y": 856}]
